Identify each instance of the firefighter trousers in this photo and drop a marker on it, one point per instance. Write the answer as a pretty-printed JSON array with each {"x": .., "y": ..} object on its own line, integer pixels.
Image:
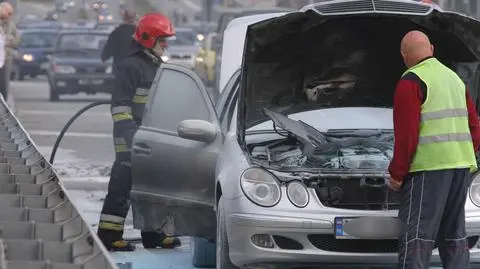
[{"x": 433, "y": 214}]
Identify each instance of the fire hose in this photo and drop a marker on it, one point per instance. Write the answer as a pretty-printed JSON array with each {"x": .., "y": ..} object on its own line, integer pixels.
[{"x": 65, "y": 129}]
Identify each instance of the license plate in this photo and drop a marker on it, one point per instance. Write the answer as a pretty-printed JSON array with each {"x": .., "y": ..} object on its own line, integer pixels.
[
  {"x": 90, "y": 81},
  {"x": 44, "y": 66},
  {"x": 339, "y": 228},
  {"x": 84, "y": 82}
]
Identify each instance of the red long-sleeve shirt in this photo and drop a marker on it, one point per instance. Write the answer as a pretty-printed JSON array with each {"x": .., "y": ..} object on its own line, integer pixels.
[{"x": 408, "y": 98}]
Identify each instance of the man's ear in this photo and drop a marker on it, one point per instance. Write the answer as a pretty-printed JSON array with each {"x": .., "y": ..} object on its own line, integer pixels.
[{"x": 433, "y": 49}]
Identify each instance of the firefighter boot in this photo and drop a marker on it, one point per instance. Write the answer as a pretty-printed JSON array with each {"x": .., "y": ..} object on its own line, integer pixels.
[
  {"x": 113, "y": 241},
  {"x": 159, "y": 239}
]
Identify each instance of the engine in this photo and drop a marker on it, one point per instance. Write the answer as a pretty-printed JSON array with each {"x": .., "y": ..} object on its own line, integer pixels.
[
  {"x": 339, "y": 153},
  {"x": 345, "y": 158}
]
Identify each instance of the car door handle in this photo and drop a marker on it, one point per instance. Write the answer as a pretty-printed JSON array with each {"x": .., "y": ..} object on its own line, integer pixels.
[{"x": 141, "y": 148}]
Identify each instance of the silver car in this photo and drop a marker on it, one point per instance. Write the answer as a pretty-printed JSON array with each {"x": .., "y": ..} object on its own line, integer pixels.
[
  {"x": 289, "y": 167},
  {"x": 182, "y": 48}
]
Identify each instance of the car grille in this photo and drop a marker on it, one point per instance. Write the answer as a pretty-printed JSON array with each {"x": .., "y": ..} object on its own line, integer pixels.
[
  {"x": 329, "y": 243},
  {"x": 378, "y": 6},
  {"x": 181, "y": 57},
  {"x": 90, "y": 70},
  {"x": 360, "y": 193}
]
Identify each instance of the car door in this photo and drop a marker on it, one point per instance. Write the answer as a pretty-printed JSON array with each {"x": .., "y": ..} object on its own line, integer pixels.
[{"x": 176, "y": 173}]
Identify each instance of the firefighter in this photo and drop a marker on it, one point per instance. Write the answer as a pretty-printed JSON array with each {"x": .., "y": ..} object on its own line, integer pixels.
[
  {"x": 120, "y": 40},
  {"x": 135, "y": 74},
  {"x": 437, "y": 134}
]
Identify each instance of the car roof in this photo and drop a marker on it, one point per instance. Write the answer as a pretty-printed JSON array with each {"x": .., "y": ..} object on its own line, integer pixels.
[
  {"x": 234, "y": 42},
  {"x": 83, "y": 31},
  {"x": 39, "y": 30}
]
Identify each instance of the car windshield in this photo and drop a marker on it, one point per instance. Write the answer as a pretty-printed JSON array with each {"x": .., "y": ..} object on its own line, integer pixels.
[
  {"x": 182, "y": 38},
  {"x": 38, "y": 40},
  {"x": 81, "y": 42}
]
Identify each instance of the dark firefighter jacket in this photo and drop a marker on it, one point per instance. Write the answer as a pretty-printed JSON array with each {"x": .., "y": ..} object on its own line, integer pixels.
[
  {"x": 119, "y": 43},
  {"x": 135, "y": 74}
]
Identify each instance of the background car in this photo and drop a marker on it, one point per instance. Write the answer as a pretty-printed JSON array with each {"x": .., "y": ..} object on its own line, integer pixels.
[
  {"x": 75, "y": 64},
  {"x": 182, "y": 48},
  {"x": 31, "y": 57},
  {"x": 205, "y": 60},
  {"x": 103, "y": 15},
  {"x": 26, "y": 20},
  {"x": 99, "y": 5},
  {"x": 51, "y": 16},
  {"x": 106, "y": 25},
  {"x": 201, "y": 28}
]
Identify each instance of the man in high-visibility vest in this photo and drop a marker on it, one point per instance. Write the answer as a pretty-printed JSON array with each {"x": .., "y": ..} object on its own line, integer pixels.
[{"x": 437, "y": 133}]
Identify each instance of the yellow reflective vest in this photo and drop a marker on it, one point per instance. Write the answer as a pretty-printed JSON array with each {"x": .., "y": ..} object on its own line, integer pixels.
[{"x": 444, "y": 138}]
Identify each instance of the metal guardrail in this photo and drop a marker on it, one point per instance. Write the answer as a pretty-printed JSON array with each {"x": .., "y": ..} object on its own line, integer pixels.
[{"x": 40, "y": 227}]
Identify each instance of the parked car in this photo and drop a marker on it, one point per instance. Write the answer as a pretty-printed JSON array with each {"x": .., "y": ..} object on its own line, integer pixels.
[
  {"x": 274, "y": 170},
  {"x": 182, "y": 48},
  {"x": 205, "y": 60},
  {"x": 31, "y": 57},
  {"x": 75, "y": 64},
  {"x": 201, "y": 28}
]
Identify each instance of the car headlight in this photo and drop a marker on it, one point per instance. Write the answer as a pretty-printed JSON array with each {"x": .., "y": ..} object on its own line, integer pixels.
[
  {"x": 27, "y": 57},
  {"x": 165, "y": 58},
  {"x": 475, "y": 189},
  {"x": 200, "y": 37},
  {"x": 109, "y": 17},
  {"x": 199, "y": 59},
  {"x": 109, "y": 69},
  {"x": 64, "y": 69},
  {"x": 261, "y": 187},
  {"x": 101, "y": 17},
  {"x": 297, "y": 193}
]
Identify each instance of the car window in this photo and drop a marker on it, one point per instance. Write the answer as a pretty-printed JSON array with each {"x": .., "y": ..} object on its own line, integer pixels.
[
  {"x": 82, "y": 41},
  {"x": 226, "y": 95},
  {"x": 229, "y": 109},
  {"x": 37, "y": 40},
  {"x": 176, "y": 97}
]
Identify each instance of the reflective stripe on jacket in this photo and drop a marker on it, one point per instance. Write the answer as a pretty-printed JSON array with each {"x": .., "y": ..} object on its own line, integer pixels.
[{"x": 444, "y": 136}]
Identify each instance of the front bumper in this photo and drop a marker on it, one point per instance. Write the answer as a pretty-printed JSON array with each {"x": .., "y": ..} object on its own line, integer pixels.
[
  {"x": 308, "y": 237},
  {"x": 75, "y": 83},
  {"x": 32, "y": 68}
]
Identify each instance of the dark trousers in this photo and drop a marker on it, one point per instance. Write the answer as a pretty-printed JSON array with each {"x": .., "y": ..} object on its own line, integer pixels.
[
  {"x": 4, "y": 80},
  {"x": 433, "y": 212}
]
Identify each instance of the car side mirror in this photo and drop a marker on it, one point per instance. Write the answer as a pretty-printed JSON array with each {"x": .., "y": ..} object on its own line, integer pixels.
[{"x": 198, "y": 130}]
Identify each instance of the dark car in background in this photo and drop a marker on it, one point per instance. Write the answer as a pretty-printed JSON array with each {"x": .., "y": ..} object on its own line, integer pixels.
[
  {"x": 31, "y": 57},
  {"x": 75, "y": 64}
]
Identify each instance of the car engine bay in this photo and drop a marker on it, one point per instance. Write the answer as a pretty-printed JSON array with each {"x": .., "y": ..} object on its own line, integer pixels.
[{"x": 346, "y": 168}]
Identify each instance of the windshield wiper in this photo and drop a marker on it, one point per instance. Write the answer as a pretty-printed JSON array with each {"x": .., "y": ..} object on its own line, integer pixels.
[{"x": 310, "y": 137}]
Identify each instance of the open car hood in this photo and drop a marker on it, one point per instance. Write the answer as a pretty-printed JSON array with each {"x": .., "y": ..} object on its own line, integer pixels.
[{"x": 341, "y": 54}]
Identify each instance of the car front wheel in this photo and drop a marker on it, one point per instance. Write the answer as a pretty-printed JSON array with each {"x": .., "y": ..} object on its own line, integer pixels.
[{"x": 223, "y": 254}]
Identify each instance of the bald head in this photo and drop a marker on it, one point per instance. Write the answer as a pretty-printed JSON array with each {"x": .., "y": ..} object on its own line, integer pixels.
[
  {"x": 415, "y": 46},
  {"x": 7, "y": 10}
]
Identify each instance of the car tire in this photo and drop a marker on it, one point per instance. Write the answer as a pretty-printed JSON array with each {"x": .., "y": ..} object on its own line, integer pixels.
[
  {"x": 203, "y": 253},
  {"x": 222, "y": 249},
  {"x": 54, "y": 96}
]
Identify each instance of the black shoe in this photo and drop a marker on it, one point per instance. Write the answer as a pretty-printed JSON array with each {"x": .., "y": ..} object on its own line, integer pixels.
[
  {"x": 155, "y": 239},
  {"x": 113, "y": 241}
]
